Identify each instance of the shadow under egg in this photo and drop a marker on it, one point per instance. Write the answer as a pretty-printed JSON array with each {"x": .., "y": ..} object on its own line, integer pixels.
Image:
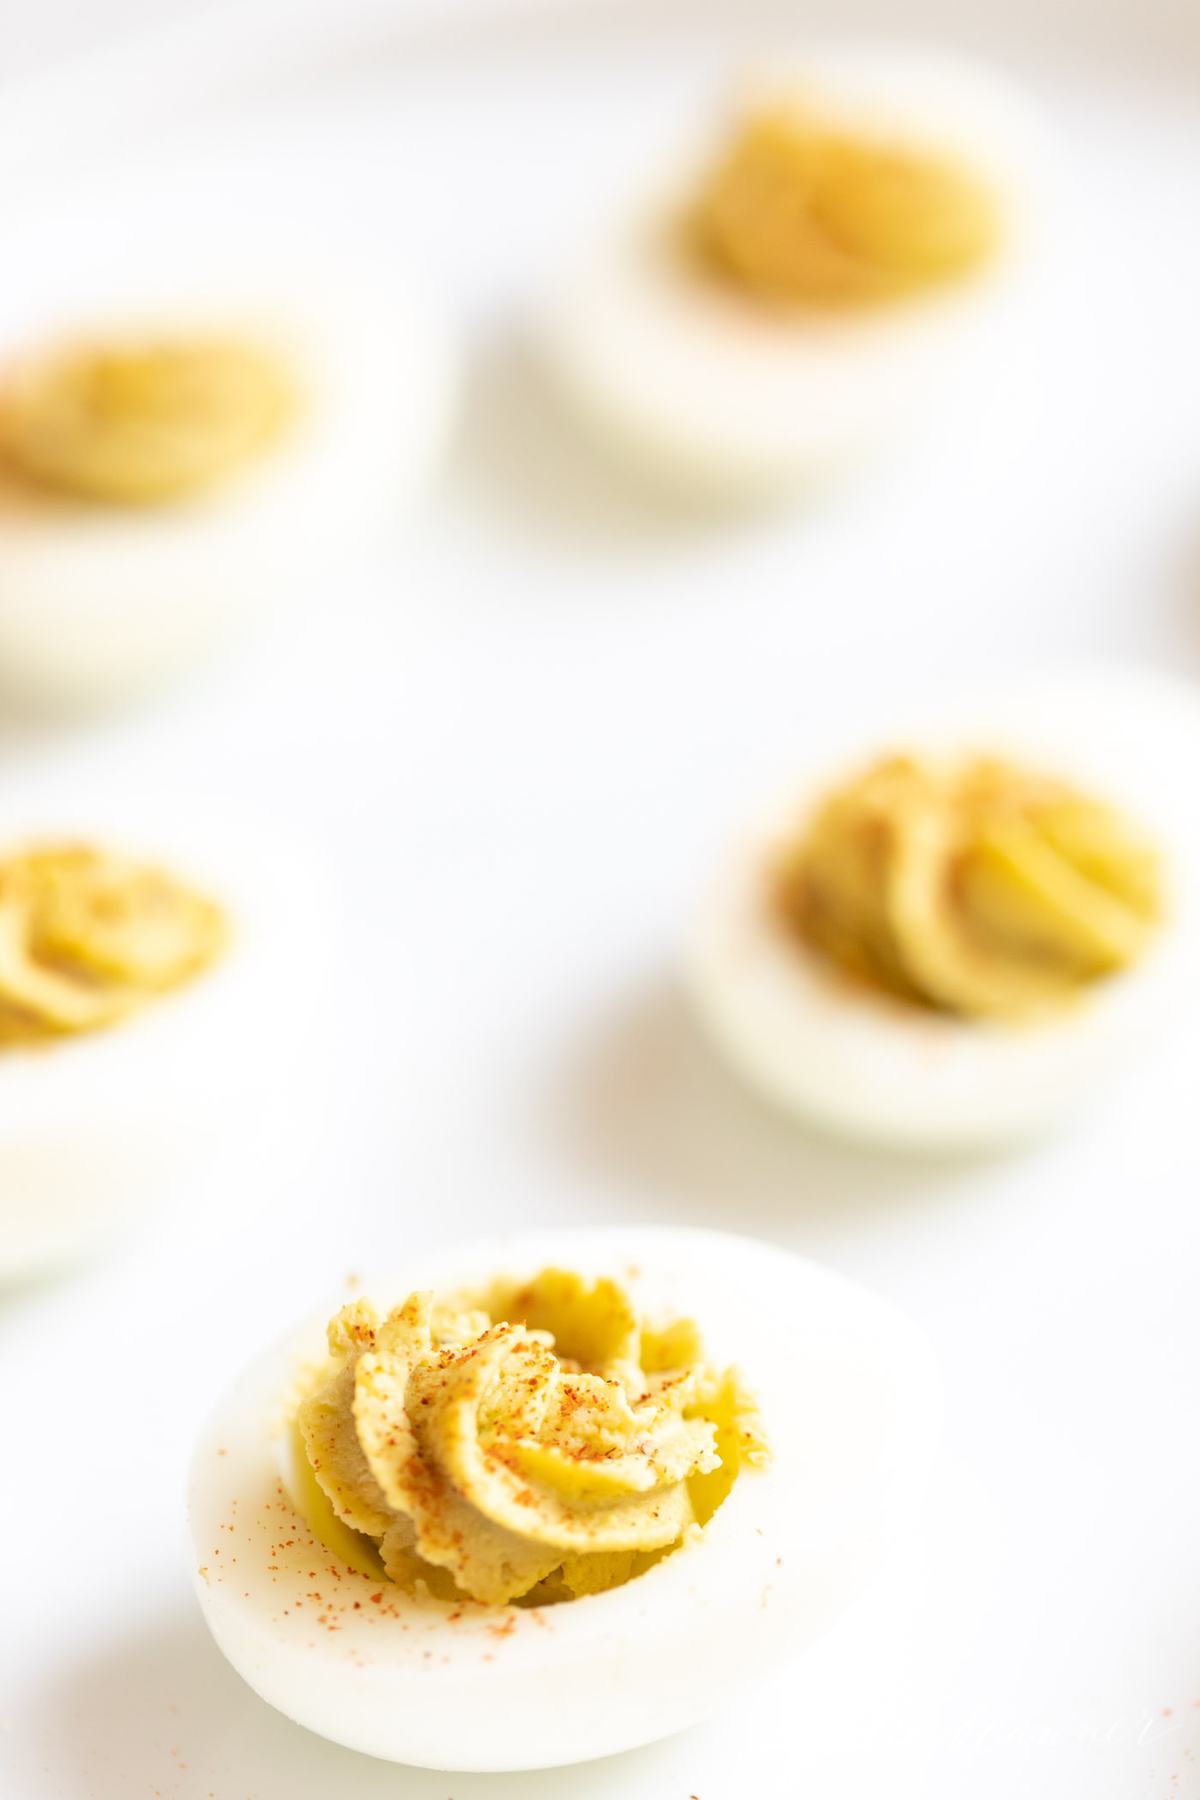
[
  {"x": 160, "y": 1711},
  {"x": 640, "y": 1100},
  {"x": 522, "y": 454}
]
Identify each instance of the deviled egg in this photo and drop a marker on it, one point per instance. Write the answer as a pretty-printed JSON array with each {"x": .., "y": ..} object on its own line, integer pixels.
[
  {"x": 959, "y": 934},
  {"x": 149, "y": 998},
  {"x": 812, "y": 283},
  {"x": 555, "y": 1496},
  {"x": 173, "y": 462}
]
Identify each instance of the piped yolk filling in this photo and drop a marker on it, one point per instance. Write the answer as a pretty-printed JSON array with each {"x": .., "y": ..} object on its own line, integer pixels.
[
  {"x": 531, "y": 1444},
  {"x": 801, "y": 211},
  {"x": 141, "y": 421},
  {"x": 88, "y": 937},
  {"x": 974, "y": 888}
]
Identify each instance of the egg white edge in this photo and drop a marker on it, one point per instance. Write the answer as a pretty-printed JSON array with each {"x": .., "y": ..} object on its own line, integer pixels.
[{"x": 662, "y": 1644}]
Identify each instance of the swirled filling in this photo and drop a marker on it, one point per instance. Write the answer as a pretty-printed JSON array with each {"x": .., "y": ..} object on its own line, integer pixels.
[
  {"x": 87, "y": 937},
  {"x": 140, "y": 421},
  {"x": 975, "y": 888},
  {"x": 535, "y": 1443},
  {"x": 804, "y": 211}
]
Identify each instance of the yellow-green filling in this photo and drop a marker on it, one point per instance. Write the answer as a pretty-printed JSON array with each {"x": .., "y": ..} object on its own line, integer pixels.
[
  {"x": 975, "y": 888},
  {"x": 530, "y": 1444},
  {"x": 87, "y": 937},
  {"x": 140, "y": 421},
  {"x": 802, "y": 211}
]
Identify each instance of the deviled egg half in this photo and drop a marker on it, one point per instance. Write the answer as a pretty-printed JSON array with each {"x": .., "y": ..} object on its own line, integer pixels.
[
  {"x": 152, "y": 979},
  {"x": 959, "y": 933},
  {"x": 173, "y": 460},
  {"x": 811, "y": 283},
  {"x": 554, "y": 1496}
]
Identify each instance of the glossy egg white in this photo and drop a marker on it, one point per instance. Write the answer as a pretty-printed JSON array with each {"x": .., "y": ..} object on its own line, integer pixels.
[
  {"x": 850, "y": 1405},
  {"x": 835, "y": 1054},
  {"x": 97, "y": 1129},
  {"x": 718, "y": 397},
  {"x": 98, "y": 602}
]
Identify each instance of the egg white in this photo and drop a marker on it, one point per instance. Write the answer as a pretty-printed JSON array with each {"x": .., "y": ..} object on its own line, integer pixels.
[
  {"x": 97, "y": 1128},
  {"x": 850, "y": 1405},
  {"x": 98, "y": 602},
  {"x": 870, "y": 1066},
  {"x": 720, "y": 397}
]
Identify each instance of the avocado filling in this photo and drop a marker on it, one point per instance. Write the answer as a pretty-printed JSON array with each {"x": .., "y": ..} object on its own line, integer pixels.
[
  {"x": 803, "y": 212},
  {"x": 978, "y": 888},
  {"x": 87, "y": 937},
  {"x": 141, "y": 421},
  {"x": 533, "y": 1443}
]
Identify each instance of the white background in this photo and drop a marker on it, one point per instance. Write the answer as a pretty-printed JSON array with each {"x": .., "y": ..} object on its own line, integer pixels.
[{"x": 513, "y": 750}]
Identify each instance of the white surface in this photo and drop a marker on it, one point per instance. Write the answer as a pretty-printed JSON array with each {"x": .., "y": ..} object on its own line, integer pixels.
[{"x": 519, "y": 746}]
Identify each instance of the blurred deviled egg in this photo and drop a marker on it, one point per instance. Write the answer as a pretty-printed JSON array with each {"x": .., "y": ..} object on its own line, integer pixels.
[
  {"x": 173, "y": 463},
  {"x": 814, "y": 283},
  {"x": 148, "y": 999},
  {"x": 556, "y": 1496},
  {"x": 958, "y": 935}
]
